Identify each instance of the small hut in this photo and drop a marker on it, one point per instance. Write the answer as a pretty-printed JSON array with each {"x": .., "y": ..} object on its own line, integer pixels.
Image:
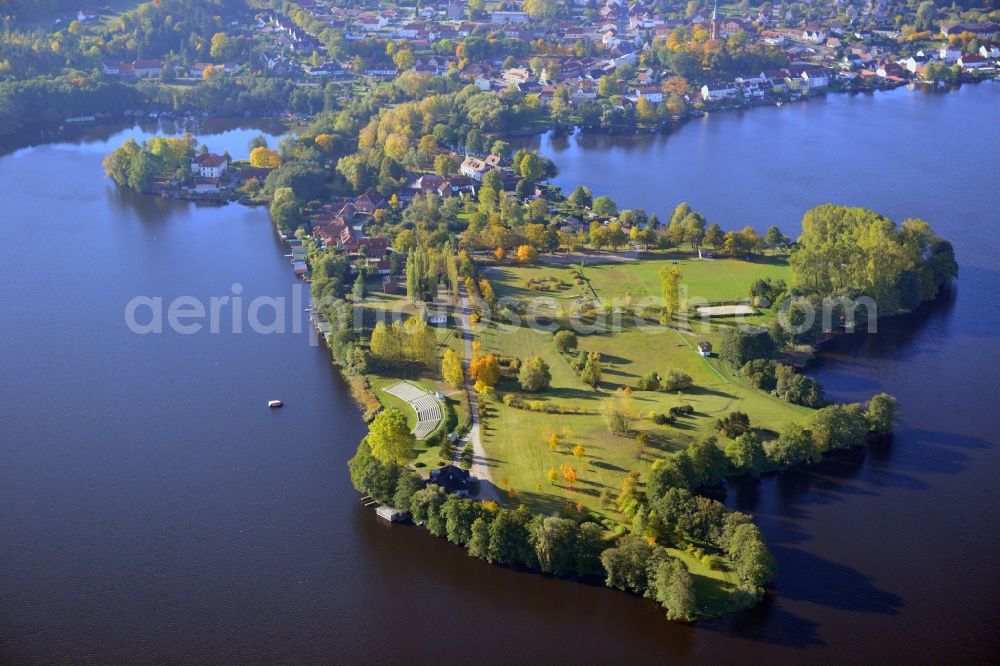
[
  {"x": 390, "y": 284},
  {"x": 705, "y": 348}
]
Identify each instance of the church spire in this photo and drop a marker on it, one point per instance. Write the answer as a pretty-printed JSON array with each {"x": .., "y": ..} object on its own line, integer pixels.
[{"x": 715, "y": 22}]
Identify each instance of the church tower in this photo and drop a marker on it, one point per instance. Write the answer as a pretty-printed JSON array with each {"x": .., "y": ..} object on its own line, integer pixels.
[{"x": 714, "y": 28}]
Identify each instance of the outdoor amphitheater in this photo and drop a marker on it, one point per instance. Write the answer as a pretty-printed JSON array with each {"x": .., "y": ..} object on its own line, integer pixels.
[{"x": 427, "y": 407}]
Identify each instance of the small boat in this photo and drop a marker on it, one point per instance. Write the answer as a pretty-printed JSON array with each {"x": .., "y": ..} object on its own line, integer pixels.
[{"x": 275, "y": 404}]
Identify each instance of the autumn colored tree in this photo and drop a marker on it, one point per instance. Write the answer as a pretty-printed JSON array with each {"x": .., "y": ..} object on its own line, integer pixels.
[
  {"x": 568, "y": 474},
  {"x": 444, "y": 165},
  {"x": 220, "y": 48},
  {"x": 552, "y": 439},
  {"x": 264, "y": 157},
  {"x": 670, "y": 289},
  {"x": 419, "y": 341},
  {"x": 592, "y": 368},
  {"x": 451, "y": 369},
  {"x": 386, "y": 344},
  {"x": 645, "y": 109},
  {"x": 526, "y": 254},
  {"x": 485, "y": 369},
  {"x": 552, "y": 475},
  {"x": 675, "y": 85},
  {"x": 324, "y": 141}
]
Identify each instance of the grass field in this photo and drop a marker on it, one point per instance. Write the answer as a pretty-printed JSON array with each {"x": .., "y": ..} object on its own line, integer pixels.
[
  {"x": 711, "y": 279},
  {"x": 515, "y": 438}
]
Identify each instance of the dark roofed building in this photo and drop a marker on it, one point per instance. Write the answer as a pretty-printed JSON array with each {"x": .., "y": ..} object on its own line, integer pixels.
[{"x": 453, "y": 479}]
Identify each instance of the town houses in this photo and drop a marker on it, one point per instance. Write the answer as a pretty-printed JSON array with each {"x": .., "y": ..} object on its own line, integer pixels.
[{"x": 841, "y": 46}]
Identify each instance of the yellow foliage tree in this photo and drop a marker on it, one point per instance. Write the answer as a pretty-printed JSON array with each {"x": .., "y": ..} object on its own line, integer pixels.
[
  {"x": 551, "y": 439},
  {"x": 264, "y": 157},
  {"x": 526, "y": 254},
  {"x": 645, "y": 110},
  {"x": 419, "y": 341},
  {"x": 325, "y": 142},
  {"x": 569, "y": 474},
  {"x": 485, "y": 369},
  {"x": 552, "y": 475},
  {"x": 451, "y": 369}
]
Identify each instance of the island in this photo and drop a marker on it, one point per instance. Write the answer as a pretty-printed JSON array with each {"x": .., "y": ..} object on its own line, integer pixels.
[{"x": 552, "y": 379}]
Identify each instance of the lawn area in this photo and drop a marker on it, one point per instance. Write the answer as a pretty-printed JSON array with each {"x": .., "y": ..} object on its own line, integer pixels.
[
  {"x": 711, "y": 279},
  {"x": 515, "y": 438},
  {"x": 713, "y": 588}
]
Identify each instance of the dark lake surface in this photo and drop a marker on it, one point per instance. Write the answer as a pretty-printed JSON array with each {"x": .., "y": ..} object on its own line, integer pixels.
[{"x": 152, "y": 509}]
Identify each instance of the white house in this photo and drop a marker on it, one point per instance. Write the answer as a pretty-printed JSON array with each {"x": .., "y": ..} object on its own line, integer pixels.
[
  {"x": 503, "y": 18},
  {"x": 371, "y": 23},
  {"x": 517, "y": 75},
  {"x": 914, "y": 62},
  {"x": 713, "y": 92},
  {"x": 759, "y": 80},
  {"x": 950, "y": 53},
  {"x": 972, "y": 62},
  {"x": 147, "y": 68},
  {"x": 816, "y": 78},
  {"x": 209, "y": 165},
  {"x": 475, "y": 168},
  {"x": 991, "y": 52},
  {"x": 813, "y": 35},
  {"x": 649, "y": 93}
]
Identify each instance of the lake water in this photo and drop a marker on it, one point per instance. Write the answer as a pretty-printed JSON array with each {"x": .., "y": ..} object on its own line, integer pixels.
[{"x": 153, "y": 509}]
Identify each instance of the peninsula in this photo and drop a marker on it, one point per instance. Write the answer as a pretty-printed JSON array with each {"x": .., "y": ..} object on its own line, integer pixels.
[{"x": 551, "y": 378}]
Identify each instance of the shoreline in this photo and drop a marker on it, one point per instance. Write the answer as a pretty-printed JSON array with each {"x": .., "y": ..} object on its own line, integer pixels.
[{"x": 666, "y": 129}]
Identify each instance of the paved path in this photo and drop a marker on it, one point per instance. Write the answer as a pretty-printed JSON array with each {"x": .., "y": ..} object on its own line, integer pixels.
[
  {"x": 590, "y": 258},
  {"x": 479, "y": 468}
]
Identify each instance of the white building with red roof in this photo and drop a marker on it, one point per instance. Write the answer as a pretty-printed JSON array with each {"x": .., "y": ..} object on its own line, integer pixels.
[{"x": 209, "y": 165}]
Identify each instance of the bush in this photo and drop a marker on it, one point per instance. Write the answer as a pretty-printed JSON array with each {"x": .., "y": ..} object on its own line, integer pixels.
[
  {"x": 760, "y": 373},
  {"x": 535, "y": 374},
  {"x": 649, "y": 382},
  {"x": 675, "y": 380},
  {"x": 565, "y": 341},
  {"x": 797, "y": 389},
  {"x": 733, "y": 425},
  {"x": 681, "y": 410},
  {"x": 662, "y": 419}
]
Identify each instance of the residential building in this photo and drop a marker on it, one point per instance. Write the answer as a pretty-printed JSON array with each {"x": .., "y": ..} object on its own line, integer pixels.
[
  {"x": 972, "y": 62},
  {"x": 209, "y": 165},
  {"x": 503, "y": 18},
  {"x": 714, "y": 92},
  {"x": 816, "y": 78}
]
